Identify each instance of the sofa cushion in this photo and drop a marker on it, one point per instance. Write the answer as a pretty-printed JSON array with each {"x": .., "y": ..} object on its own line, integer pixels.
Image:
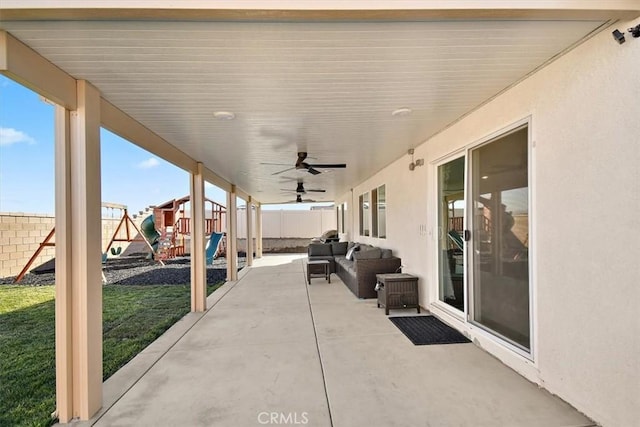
[
  {"x": 319, "y": 249},
  {"x": 373, "y": 253},
  {"x": 386, "y": 253},
  {"x": 339, "y": 248},
  {"x": 345, "y": 263},
  {"x": 351, "y": 251}
]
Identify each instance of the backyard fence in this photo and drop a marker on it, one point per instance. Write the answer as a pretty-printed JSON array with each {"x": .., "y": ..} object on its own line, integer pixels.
[{"x": 285, "y": 224}]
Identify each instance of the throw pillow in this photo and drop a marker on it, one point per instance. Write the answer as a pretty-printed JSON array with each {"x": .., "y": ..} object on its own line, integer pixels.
[
  {"x": 386, "y": 253},
  {"x": 319, "y": 249},
  {"x": 351, "y": 251},
  {"x": 373, "y": 253},
  {"x": 339, "y": 248}
]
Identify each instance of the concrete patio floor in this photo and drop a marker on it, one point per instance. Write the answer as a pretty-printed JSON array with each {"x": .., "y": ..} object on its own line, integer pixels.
[{"x": 272, "y": 350}]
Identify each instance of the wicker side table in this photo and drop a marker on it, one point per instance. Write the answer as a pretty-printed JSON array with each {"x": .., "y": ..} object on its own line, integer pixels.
[
  {"x": 318, "y": 268},
  {"x": 397, "y": 290}
]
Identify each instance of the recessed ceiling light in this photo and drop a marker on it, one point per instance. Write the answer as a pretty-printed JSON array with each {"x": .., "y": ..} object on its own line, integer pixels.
[
  {"x": 401, "y": 112},
  {"x": 485, "y": 177},
  {"x": 224, "y": 115}
]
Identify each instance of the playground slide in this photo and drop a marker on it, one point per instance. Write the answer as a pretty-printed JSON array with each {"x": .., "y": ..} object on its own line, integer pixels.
[
  {"x": 212, "y": 247},
  {"x": 148, "y": 228},
  {"x": 457, "y": 240}
]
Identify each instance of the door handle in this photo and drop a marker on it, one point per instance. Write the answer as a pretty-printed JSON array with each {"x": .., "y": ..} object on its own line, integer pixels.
[{"x": 467, "y": 235}]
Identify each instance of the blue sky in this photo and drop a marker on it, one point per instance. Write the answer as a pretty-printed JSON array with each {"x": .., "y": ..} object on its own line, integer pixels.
[{"x": 130, "y": 175}]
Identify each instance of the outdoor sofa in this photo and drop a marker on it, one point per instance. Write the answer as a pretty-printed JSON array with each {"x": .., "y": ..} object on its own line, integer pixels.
[{"x": 359, "y": 272}]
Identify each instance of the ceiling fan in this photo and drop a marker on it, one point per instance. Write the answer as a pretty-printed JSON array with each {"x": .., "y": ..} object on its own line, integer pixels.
[
  {"x": 311, "y": 168},
  {"x": 301, "y": 190},
  {"x": 298, "y": 199}
]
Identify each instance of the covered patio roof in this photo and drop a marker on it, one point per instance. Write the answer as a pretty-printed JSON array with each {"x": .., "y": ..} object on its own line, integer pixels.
[{"x": 318, "y": 77}]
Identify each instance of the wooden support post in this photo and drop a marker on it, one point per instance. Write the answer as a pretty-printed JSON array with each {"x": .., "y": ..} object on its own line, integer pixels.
[
  {"x": 198, "y": 267},
  {"x": 232, "y": 235},
  {"x": 78, "y": 258},
  {"x": 258, "y": 230},
  {"x": 249, "y": 218}
]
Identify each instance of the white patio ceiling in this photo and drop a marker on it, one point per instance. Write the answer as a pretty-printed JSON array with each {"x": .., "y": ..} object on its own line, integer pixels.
[{"x": 327, "y": 88}]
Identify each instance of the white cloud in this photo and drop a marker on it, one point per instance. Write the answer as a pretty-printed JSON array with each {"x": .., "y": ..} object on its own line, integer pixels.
[
  {"x": 151, "y": 162},
  {"x": 10, "y": 136}
]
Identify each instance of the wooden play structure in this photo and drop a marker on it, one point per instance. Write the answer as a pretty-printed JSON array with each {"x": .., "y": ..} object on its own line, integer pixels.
[
  {"x": 165, "y": 232},
  {"x": 173, "y": 225},
  {"x": 127, "y": 222},
  {"x": 122, "y": 233}
]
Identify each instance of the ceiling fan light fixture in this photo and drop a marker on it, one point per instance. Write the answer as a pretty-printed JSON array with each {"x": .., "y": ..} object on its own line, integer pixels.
[
  {"x": 401, "y": 112},
  {"x": 224, "y": 115}
]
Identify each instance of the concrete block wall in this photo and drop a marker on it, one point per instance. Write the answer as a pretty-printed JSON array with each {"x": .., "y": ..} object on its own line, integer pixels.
[{"x": 20, "y": 236}]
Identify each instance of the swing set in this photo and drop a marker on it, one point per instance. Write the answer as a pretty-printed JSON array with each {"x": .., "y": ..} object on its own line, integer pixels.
[{"x": 125, "y": 224}]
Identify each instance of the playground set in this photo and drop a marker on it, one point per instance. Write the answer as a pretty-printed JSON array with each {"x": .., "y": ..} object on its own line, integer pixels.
[
  {"x": 168, "y": 228},
  {"x": 164, "y": 233}
]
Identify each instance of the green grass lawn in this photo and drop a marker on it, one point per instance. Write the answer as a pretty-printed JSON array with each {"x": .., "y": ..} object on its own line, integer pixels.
[{"x": 133, "y": 317}]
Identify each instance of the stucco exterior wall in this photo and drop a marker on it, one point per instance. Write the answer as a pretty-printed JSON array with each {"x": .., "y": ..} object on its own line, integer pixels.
[{"x": 584, "y": 112}]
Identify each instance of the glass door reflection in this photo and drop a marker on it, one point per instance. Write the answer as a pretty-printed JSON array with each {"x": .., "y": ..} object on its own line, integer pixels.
[
  {"x": 451, "y": 208},
  {"x": 499, "y": 279}
]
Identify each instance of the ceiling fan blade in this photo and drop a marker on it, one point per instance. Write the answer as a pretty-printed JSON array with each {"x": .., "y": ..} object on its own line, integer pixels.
[
  {"x": 283, "y": 171},
  {"x": 288, "y": 179},
  {"x": 312, "y": 171},
  {"x": 315, "y": 191},
  {"x": 329, "y": 166},
  {"x": 274, "y": 164}
]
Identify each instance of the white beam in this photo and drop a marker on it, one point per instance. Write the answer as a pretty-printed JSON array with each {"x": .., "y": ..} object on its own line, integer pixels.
[
  {"x": 24, "y": 65},
  {"x": 352, "y": 10},
  {"x": 216, "y": 179},
  {"x": 120, "y": 123},
  {"x": 242, "y": 194},
  {"x": 198, "y": 267}
]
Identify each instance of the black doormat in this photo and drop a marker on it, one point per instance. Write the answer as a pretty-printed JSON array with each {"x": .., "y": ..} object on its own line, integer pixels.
[{"x": 426, "y": 330}]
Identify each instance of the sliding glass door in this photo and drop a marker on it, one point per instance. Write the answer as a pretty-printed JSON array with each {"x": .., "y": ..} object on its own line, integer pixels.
[
  {"x": 483, "y": 236},
  {"x": 500, "y": 237},
  {"x": 451, "y": 207}
]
